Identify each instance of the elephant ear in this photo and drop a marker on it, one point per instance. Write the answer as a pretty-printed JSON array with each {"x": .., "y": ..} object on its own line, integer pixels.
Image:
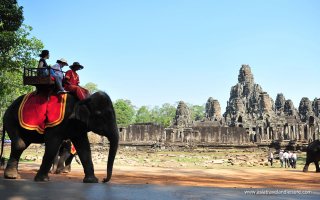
[{"x": 81, "y": 111}]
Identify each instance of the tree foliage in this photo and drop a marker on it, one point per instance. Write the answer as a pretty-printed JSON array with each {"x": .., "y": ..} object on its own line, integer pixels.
[
  {"x": 166, "y": 114},
  {"x": 124, "y": 112},
  {"x": 91, "y": 87},
  {"x": 143, "y": 115},
  {"x": 17, "y": 50},
  {"x": 197, "y": 112},
  {"x": 22, "y": 54},
  {"x": 11, "y": 15},
  {"x": 11, "y": 18},
  {"x": 161, "y": 115}
]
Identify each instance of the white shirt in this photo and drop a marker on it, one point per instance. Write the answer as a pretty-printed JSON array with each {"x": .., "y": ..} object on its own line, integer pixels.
[
  {"x": 294, "y": 156},
  {"x": 57, "y": 70},
  {"x": 271, "y": 155},
  {"x": 286, "y": 155},
  {"x": 281, "y": 155}
]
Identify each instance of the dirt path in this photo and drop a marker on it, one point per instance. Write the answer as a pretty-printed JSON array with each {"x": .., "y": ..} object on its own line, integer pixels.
[{"x": 241, "y": 177}]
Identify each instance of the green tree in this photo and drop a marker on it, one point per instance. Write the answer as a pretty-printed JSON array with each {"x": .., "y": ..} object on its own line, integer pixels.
[
  {"x": 22, "y": 54},
  {"x": 164, "y": 114},
  {"x": 11, "y": 18},
  {"x": 143, "y": 115},
  {"x": 91, "y": 87},
  {"x": 155, "y": 114},
  {"x": 11, "y": 15},
  {"x": 197, "y": 112},
  {"x": 167, "y": 113},
  {"x": 124, "y": 112}
]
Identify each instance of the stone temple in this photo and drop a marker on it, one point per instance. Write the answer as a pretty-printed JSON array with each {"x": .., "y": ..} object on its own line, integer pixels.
[
  {"x": 266, "y": 120},
  {"x": 251, "y": 116}
]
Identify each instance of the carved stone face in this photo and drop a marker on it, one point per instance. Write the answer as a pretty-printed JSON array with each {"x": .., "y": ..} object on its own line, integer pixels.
[
  {"x": 246, "y": 71},
  {"x": 182, "y": 114},
  {"x": 245, "y": 75},
  {"x": 280, "y": 101},
  {"x": 305, "y": 106},
  {"x": 288, "y": 107},
  {"x": 213, "y": 108}
]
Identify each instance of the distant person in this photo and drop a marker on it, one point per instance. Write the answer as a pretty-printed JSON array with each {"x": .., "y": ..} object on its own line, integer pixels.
[
  {"x": 286, "y": 159},
  {"x": 56, "y": 72},
  {"x": 294, "y": 160},
  {"x": 42, "y": 65},
  {"x": 270, "y": 158},
  {"x": 72, "y": 80},
  {"x": 290, "y": 159},
  {"x": 281, "y": 157}
]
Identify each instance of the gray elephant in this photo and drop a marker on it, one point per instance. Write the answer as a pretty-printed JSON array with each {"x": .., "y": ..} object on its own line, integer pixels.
[
  {"x": 96, "y": 114},
  {"x": 313, "y": 155},
  {"x": 62, "y": 161}
]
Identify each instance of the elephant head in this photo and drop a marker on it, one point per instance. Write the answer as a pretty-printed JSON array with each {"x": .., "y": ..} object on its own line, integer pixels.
[{"x": 98, "y": 115}]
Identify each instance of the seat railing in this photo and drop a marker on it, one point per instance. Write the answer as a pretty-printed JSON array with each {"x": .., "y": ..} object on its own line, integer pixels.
[{"x": 37, "y": 76}]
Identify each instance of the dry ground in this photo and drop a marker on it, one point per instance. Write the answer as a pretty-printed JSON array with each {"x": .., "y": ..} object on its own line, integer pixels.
[{"x": 189, "y": 169}]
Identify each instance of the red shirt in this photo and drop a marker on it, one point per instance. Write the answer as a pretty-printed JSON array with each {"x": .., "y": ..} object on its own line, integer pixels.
[{"x": 72, "y": 77}]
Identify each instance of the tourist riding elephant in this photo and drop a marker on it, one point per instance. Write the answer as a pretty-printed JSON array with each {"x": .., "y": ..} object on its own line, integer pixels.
[
  {"x": 96, "y": 113},
  {"x": 313, "y": 155}
]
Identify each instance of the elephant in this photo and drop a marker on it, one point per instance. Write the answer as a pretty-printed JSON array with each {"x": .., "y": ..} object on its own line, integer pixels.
[
  {"x": 95, "y": 113},
  {"x": 62, "y": 161},
  {"x": 313, "y": 155}
]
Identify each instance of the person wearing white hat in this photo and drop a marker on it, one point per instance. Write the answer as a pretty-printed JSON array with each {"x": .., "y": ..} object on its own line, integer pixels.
[{"x": 56, "y": 72}]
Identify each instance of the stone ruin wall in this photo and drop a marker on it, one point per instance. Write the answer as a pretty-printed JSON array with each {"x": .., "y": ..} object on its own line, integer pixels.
[
  {"x": 151, "y": 133},
  {"x": 142, "y": 132},
  {"x": 251, "y": 117}
]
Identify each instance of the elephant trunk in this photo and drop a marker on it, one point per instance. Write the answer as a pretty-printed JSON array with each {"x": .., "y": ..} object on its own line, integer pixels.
[{"x": 114, "y": 141}]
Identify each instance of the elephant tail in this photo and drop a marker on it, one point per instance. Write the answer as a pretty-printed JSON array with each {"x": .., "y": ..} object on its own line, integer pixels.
[{"x": 2, "y": 145}]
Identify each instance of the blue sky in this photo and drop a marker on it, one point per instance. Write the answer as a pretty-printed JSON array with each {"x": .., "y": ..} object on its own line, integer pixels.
[{"x": 162, "y": 51}]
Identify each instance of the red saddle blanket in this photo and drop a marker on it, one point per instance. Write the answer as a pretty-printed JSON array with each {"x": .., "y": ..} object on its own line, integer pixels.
[{"x": 39, "y": 111}]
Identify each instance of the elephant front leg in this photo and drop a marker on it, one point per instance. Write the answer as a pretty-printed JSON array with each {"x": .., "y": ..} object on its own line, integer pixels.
[{"x": 84, "y": 152}]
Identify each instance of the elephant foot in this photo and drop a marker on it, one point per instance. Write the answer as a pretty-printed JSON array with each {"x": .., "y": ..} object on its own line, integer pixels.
[
  {"x": 58, "y": 171},
  {"x": 67, "y": 169},
  {"x": 41, "y": 178},
  {"x": 305, "y": 169},
  {"x": 105, "y": 180},
  {"x": 91, "y": 179},
  {"x": 11, "y": 173}
]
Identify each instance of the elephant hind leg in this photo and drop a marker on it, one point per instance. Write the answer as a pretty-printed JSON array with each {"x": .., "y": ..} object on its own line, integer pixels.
[
  {"x": 17, "y": 147},
  {"x": 51, "y": 149}
]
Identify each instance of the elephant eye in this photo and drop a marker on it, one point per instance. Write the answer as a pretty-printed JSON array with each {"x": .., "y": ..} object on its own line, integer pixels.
[{"x": 98, "y": 112}]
